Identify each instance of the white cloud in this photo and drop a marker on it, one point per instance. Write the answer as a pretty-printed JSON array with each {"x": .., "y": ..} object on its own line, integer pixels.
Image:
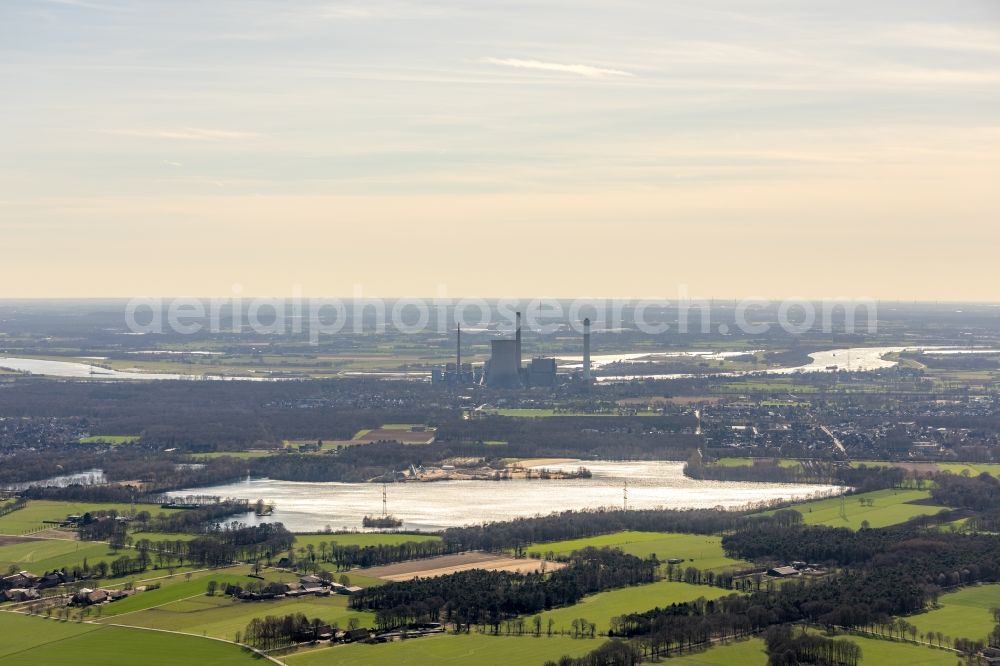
[
  {"x": 84, "y": 4},
  {"x": 935, "y": 76},
  {"x": 184, "y": 133},
  {"x": 948, "y": 37},
  {"x": 582, "y": 70}
]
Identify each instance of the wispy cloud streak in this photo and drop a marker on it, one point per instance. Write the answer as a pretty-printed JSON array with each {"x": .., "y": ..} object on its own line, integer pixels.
[
  {"x": 587, "y": 71},
  {"x": 184, "y": 133}
]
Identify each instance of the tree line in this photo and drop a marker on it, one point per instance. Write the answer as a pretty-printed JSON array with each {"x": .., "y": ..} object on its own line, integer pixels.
[
  {"x": 487, "y": 598},
  {"x": 903, "y": 577},
  {"x": 861, "y": 478},
  {"x": 786, "y": 647},
  {"x": 224, "y": 544},
  {"x": 519, "y": 533},
  {"x": 272, "y": 631},
  {"x": 345, "y": 557}
]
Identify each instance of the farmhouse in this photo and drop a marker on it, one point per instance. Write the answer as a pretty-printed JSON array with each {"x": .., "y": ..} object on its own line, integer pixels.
[
  {"x": 19, "y": 594},
  {"x": 88, "y": 597},
  {"x": 20, "y": 579},
  {"x": 53, "y": 579}
]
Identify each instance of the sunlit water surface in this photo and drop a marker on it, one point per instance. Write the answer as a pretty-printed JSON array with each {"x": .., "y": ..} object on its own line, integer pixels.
[{"x": 307, "y": 507}]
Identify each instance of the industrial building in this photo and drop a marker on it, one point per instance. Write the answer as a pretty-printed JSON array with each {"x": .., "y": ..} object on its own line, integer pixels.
[
  {"x": 505, "y": 368},
  {"x": 542, "y": 372}
]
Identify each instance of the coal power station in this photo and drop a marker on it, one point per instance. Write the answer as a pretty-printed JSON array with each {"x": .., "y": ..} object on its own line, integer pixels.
[{"x": 505, "y": 368}]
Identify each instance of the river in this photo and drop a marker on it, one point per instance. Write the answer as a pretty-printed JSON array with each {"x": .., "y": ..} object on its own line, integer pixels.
[
  {"x": 73, "y": 370},
  {"x": 854, "y": 359},
  {"x": 308, "y": 507}
]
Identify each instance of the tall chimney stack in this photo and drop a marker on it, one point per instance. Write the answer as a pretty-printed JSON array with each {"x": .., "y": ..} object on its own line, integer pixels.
[
  {"x": 586, "y": 351},
  {"x": 517, "y": 338},
  {"x": 458, "y": 355}
]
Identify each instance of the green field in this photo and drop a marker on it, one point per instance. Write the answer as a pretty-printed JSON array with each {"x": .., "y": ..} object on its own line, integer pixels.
[
  {"x": 600, "y": 608},
  {"x": 30, "y": 641},
  {"x": 746, "y": 462},
  {"x": 963, "y": 614},
  {"x": 222, "y": 617},
  {"x": 31, "y": 517},
  {"x": 164, "y": 536},
  {"x": 697, "y": 550},
  {"x": 446, "y": 650},
  {"x": 889, "y": 508},
  {"x": 361, "y": 538},
  {"x": 874, "y": 652},
  {"x": 973, "y": 469},
  {"x": 242, "y": 455},
  {"x": 749, "y": 652},
  {"x": 110, "y": 439},
  {"x": 180, "y": 587},
  {"x": 41, "y": 555}
]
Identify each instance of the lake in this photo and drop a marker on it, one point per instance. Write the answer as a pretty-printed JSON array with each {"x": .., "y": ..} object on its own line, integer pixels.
[
  {"x": 89, "y": 477},
  {"x": 309, "y": 507}
]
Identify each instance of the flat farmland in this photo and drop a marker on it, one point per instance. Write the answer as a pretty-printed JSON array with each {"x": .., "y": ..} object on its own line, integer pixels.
[
  {"x": 31, "y": 641},
  {"x": 601, "y": 607},
  {"x": 115, "y": 440},
  {"x": 41, "y": 555},
  {"x": 747, "y": 462},
  {"x": 874, "y": 652},
  {"x": 750, "y": 652},
  {"x": 963, "y": 614},
  {"x": 222, "y": 617},
  {"x": 889, "y": 507},
  {"x": 448, "y": 564},
  {"x": 450, "y": 650},
  {"x": 32, "y": 516},
  {"x": 395, "y": 432},
  {"x": 180, "y": 587},
  {"x": 242, "y": 455},
  {"x": 973, "y": 469},
  {"x": 697, "y": 550},
  {"x": 21, "y": 633}
]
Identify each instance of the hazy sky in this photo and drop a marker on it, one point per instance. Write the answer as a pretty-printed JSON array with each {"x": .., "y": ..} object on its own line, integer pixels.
[{"x": 496, "y": 148}]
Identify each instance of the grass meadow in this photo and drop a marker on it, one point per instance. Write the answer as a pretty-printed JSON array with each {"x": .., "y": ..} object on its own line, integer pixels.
[
  {"x": 41, "y": 555},
  {"x": 31, "y": 641},
  {"x": 450, "y": 650},
  {"x": 962, "y": 614},
  {"x": 222, "y": 617},
  {"x": 697, "y": 550},
  {"x": 889, "y": 507},
  {"x": 32, "y": 516},
  {"x": 601, "y": 607}
]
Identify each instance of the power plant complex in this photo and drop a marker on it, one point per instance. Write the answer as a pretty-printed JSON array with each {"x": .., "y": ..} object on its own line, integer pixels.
[{"x": 505, "y": 368}]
